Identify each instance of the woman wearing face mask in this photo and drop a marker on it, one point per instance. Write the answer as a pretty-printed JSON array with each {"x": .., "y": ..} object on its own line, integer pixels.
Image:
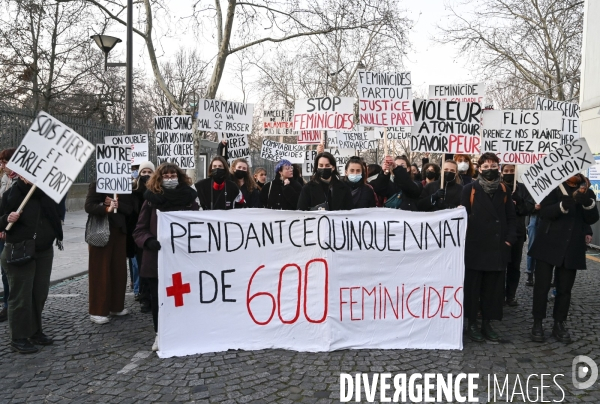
[
  {"x": 363, "y": 195},
  {"x": 434, "y": 198},
  {"x": 168, "y": 189},
  {"x": 246, "y": 184},
  {"x": 491, "y": 231},
  {"x": 465, "y": 168},
  {"x": 414, "y": 169},
  {"x": 402, "y": 184},
  {"x": 559, "y": 247},
  {"x": 217, "y": 192},
  {"x": 260, "y": 177},
  {"x": 524, "y": 206},
  {"x": 431, "y": 172},
  {"x": 325, "y": 190},
  {"x": 283, "y": 192}
]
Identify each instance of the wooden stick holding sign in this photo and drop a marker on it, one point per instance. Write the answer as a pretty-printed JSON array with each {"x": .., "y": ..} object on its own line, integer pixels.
[
  {"x": 385, "y": 143},
  {"x": 442, "y": 177},
  {"x": 116, "y": 199},
  {"x": 22, "y": 206},
  {"x": 515, "y": 181},
  {"x": 562, "y": 188}
]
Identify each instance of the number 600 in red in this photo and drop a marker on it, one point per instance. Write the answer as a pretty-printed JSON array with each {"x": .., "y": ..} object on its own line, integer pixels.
[{"x": 276, "y": 304}]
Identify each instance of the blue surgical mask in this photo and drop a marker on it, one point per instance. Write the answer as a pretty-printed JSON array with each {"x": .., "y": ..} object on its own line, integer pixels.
[
  {"x": 354, "y": 177},
  {"x": 135, "y": 174}
]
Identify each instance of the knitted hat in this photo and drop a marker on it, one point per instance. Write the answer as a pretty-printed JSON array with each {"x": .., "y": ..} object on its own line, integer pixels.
[
  {"x": 146, "y": 164},
  {"x": 281, "y": 163}
]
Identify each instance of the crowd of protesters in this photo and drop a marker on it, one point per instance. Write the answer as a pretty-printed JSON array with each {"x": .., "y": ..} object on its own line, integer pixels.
[{"x": 498, "y": 209}]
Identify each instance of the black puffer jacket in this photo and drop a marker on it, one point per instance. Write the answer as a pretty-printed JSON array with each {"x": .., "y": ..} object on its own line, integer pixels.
[
  {"x": 336, "y": 193},
  {"x": 411, "y": 191},
  {"x": 275, "y": 195}
]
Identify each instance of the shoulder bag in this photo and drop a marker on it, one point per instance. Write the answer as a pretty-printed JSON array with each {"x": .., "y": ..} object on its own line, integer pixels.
[{"x": 97, "y": 230}]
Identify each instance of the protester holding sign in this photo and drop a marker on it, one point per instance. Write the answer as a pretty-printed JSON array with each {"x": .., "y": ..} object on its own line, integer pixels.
[
  {"x": 524, "y": 206},
  {"x": 37, "y": 225},
  {"x": 363, "y": 195},
  {"x": 283, "y": 192},
  {"x": 400, "y": 190},
  {"x": 434, "y": 197},
  {"x": 222, "y": 149},
  {"x": 465, "y": 168},
  {"x": 246, "y": 184},
  {"x": 325, "y": 190},
  {"x": 559, "y": 247},
  {"x": 169, "y": 189},
  {"x": 491, "y": 231},
  {"x": 107, "y": 270},
  {"x": 217, "y": 192}
]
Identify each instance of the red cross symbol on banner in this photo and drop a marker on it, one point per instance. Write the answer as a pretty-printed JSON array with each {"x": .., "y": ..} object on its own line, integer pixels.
[{"x": 178, "y": 289}]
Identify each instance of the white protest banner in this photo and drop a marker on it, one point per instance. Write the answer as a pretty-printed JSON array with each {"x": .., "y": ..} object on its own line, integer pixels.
[
  {"x": 275, "y": 151},
  {"x": 355, "y": 140},
  {"x": 341, "y": 158},
  {"x": 446, "y": 127},
  {"x": 299, "y": 280},
  {"x": 520, "y": 136},
  {"x": 138, "y": 143},
  {"x": 225, "y": 116},
  {"x": 458, "y": 92},
  {"x": 385, "y": 99},
  {"x": 174, "y": 140},
  {"x": 278, "y": 122},
  {"x": 325, "y": 113},
  {"x": 308, "y": 137},
  {"x": 570, "y": 116},
  {"x": 113, "y": 169},
  {"x": 331, "y": 140},
  {"x": 50, "y": 156},
  {"x": 557, "y": 166},
  {"x": 238, "y": 146},
  {"x": 393, "y": 133}
]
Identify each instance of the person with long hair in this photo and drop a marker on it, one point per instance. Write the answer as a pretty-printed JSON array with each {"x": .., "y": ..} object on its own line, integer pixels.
[
  {"x": 218, "y": 192},
  {"x": 325, "y": 190},
  {"x": 168, "y": 189},
  {"x": 466, "y": 170},
  {"x": 260, "y": 177},
  {"x": 400, "y": 184},
  {"x": 434, "y": 197},
  {"x": 431, "y": 173},
  {"x": 245, "y": 182},
  {"x": 363, "y": 195},
  {"x": 283, "y": 192}
]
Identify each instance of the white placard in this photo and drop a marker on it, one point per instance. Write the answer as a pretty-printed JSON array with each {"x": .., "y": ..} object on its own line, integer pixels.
[
  {"x": 295, "y": 280},
  {"x": 557, "y": 166},
  {"x": 278, "y": 122},
  {"x": 238, "y": 146},
  {"x": 521, "y": 136},
  {"x": 225, "y": 116},
  {"x": 355, "y": 140},
  {"x": 385, "y": 99},
  {"x": 113, "y": 169},
  {"x": 341, "y": 158},
  {"x": 325, "y": 113},
  {"x": 174, "y": 140},
  {"x": 275, "y": 151},
  {"x": 51, "y": 155},
  {"x": 570, "y": 114},
  {"x": 474, "y": 92},
  {"x": 309, "y": 136},
  {"x": 394, "y": 133},
  {"x": 139, "y": 146}
]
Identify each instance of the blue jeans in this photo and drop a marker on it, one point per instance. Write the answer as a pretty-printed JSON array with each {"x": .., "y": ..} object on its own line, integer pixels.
[
  {"x": 531, "y": 229},
  {"x": 134, "y": 272},
  {"x": 4, "y": 279}
]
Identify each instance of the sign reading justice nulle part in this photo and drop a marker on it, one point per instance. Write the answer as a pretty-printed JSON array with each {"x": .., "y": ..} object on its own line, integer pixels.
[
  {"x": 297, "y": 280},
  {"x": 51, "y": 156}
]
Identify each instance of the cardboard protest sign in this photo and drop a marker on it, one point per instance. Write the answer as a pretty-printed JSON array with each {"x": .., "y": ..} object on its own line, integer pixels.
[
  {"x": 238, "y": 146},
  {"x": 570, "y": 117},
  {"x": 113, "y": 169},
  {"x": 225, "y": 116},
  {"x": 309, "y": 137},
  {"x": 138, "y": 143},
  {"x": 458, "y": 92},
  {"x": 521, "y": 136},
  {"x": 296, "y": 280},
  {"x": 51, "y": 155},
  {"x": 355, "y": 140},
  {"x": 341, "y": 158},
  {"x": 174, "y": 140},
  {"x": 446, "y": 127},
  {"x": 276, "y": 151},
  {"x": 325, "y": 113},
  {"x": 385, "y": 99},
  {"x": 557, "y": 166},
  {"x": 278, "y": 122},
  {"x": 392, "y": 133}
]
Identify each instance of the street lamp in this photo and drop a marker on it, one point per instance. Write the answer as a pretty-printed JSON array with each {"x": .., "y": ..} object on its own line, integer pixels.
[
  {"x": 106, "y": 43},
  {"x": 193, "y": 99}
]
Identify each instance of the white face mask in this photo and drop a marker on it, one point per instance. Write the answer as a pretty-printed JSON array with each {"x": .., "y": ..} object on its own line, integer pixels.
[
  {"x": 463, "y": 166},
  {"x": 170, "y": 184}
]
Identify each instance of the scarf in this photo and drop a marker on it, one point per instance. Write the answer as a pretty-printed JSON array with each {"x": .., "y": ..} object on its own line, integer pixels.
[
  {"x": 172, "y": 199},
  {"x": 489, "y": 187}
]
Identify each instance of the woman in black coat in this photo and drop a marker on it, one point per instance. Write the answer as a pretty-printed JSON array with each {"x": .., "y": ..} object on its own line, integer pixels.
[
  {"x": 241, "y": 175},
  {"x": 402, "y": 182},
  {"x": 283, "y": 192},
  {"x": 363, "y": 195},
  {"x": 434, "y": 198},
  {"x": 559, "y": 247},
  {"x": 217, "y": 192},
  {"x": 491, "y": 230},
  {"x": 325, "y": 190}
]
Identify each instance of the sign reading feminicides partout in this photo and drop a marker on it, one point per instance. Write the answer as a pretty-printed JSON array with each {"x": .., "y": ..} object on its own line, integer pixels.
[
  {"x": 51, "y": 156},
  {"x": 385, "y": 99}
]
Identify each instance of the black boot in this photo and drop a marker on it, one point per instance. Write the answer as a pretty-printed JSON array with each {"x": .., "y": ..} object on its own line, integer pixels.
[
  {"x": 23, "y": 346},
  {"x": 560, "y": 332},
  {"x": 3, "y": 314},
  {"x": 488, "y": 332},
  {"x": 537, "y": 331},
  {"x": 473, "y": 331},
  {"x": 39, "y": 338},
  {"x": 512, "y": 302},
  {"x": 529, "y": 279}
]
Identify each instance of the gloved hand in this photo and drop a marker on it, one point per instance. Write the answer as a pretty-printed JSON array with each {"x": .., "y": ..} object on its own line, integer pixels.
[
  {"x": 582, "y": 198},
  {"x": 516, "y": 197},
  {"x": 567, "y": 202},
  {"x": 439, "y": 195},
  {"x": 152, "y": 244}
]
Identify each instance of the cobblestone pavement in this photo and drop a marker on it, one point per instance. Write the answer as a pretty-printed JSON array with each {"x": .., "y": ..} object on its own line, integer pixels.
[{"x": 113, "y": 363}]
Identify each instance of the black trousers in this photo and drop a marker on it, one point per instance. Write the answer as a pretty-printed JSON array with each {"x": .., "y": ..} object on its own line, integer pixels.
[
  {"x": 513, "y": 269},
  {"x": 484, "y": 290},
  {"x": 564, "y": 279},
  {"x": 152, "y": 284}
]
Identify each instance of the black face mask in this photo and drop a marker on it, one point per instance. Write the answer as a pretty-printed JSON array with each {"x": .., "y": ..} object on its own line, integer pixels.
[
  {"x": 239, "y": 174},
  {"x": 417, "y": 177},
  {"x": 143, "y": 179},
  {"x": 508, "y": 178},
  {"x": 491, "y": 174},
  {"x": 218, "y": 174},
  {"x": 430, "y": 175},
  {"x": 324, "y": 173},
  {"x": 449, "y": 176}
]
